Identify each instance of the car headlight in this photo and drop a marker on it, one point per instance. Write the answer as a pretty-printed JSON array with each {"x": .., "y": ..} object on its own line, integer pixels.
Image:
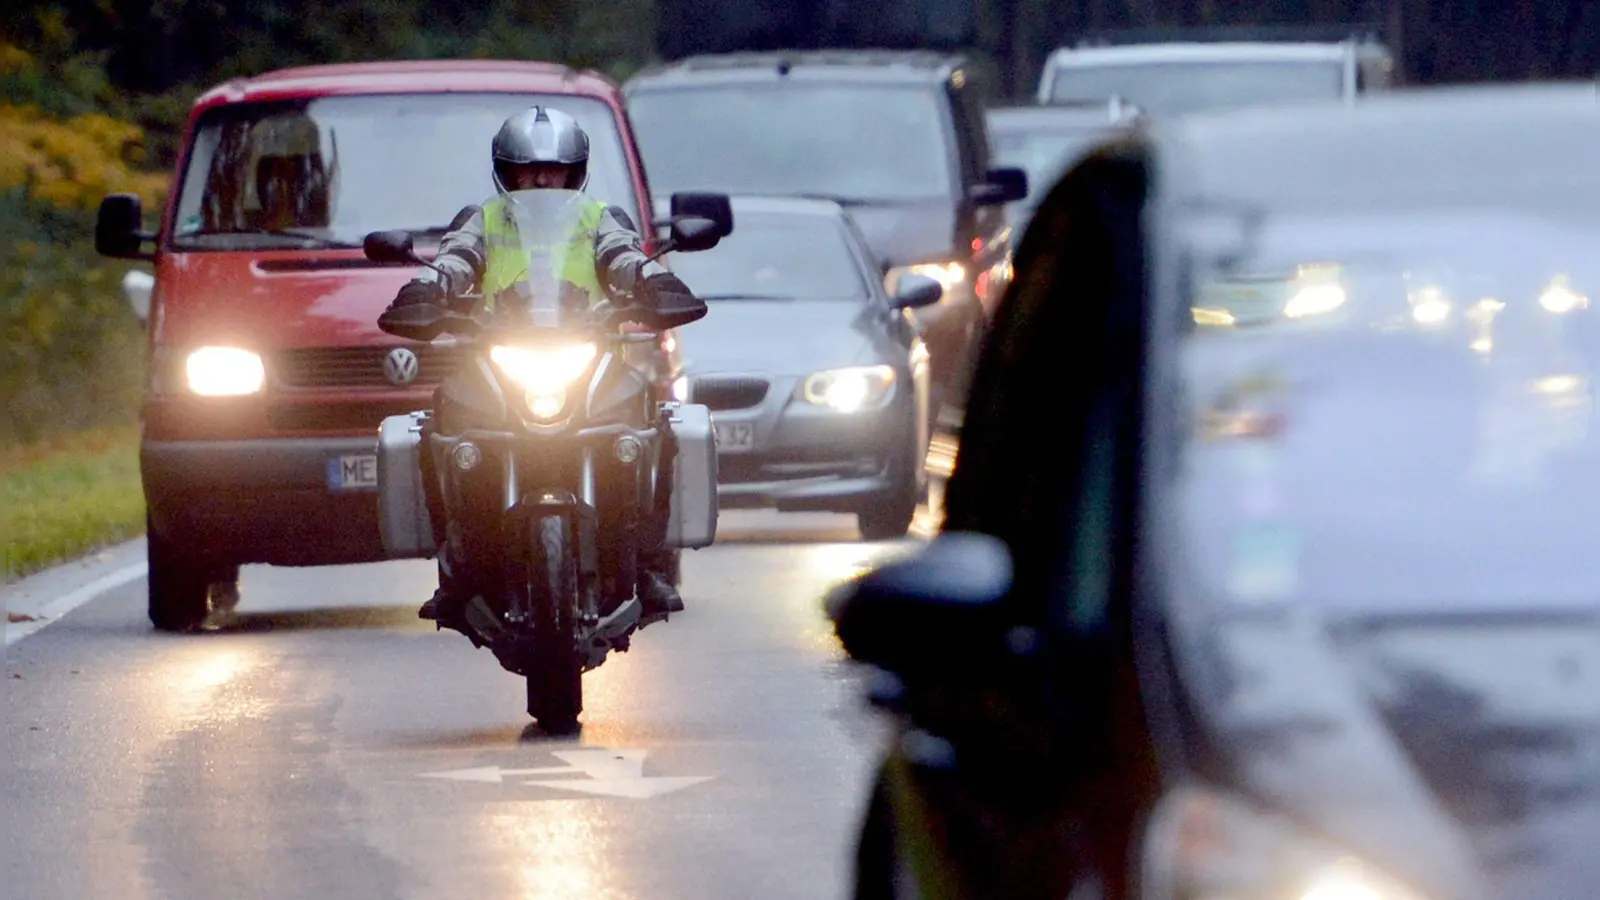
[
  {"x": 1203, "y": 845},
  {"x": 1314, "y": 300},
  {"x": 849, "y": 390},
  {"x": 545, "y": 373},
  {"x": 948, "y": 274},
  {"x": 1559, "y": 297},
  {"x": 1430, "y": 305},
  {"x": 224, "y": 372}
]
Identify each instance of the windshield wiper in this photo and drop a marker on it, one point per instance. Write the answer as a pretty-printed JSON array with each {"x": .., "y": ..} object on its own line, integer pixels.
[
  {"x": 331, "y": 243},
  {"x": 709, "y": 297}
]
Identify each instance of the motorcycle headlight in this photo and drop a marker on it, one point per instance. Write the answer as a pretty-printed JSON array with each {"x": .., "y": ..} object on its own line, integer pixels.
[
  {"x": 1203, "y": 845},
  {"x": 545, "y": 373},
  {"x": 224, "y": 372},
  {"x": 948, "y": 274},
  {"x": 849, "y": 390}
]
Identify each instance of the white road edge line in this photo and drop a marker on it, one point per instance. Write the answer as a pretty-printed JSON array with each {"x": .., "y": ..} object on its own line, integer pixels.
[{"x": 60, "y": 606}]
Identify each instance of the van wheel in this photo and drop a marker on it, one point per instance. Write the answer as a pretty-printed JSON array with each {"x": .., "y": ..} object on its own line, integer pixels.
[{"x": 179, "y": 585}]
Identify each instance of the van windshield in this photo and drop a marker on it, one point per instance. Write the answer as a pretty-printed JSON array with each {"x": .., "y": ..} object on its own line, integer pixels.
[{"x": 326, "y": 171}]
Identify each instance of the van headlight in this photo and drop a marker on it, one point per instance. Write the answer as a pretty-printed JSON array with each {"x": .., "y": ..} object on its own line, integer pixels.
[
  {"x": 849, "y": 390},
  {"x": 1203, "y": 845},
  {"x": 545, "y": 373},
  {"x": 224, "y": 372}
]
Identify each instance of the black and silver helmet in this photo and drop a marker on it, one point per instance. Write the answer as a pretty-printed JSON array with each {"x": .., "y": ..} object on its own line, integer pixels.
[{"x": 540, "y": 136}]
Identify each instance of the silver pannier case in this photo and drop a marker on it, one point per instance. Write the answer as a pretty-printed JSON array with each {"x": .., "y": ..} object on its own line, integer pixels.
[
  {"x": 693, "y": 520},
  {"x": 402, "y": 506}
]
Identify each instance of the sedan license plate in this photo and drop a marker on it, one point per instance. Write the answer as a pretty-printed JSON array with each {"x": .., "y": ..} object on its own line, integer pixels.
[
  {"x": 353, "y": 472},
  {"x": 735, "y": 437}
]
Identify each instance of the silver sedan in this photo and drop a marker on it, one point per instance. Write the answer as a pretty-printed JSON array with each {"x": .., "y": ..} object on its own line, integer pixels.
[{"x": 816, "y": 377}]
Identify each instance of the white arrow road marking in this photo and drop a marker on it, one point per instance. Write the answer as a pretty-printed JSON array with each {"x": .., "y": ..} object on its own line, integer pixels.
[
  {"x": 497, "y": 775},
  {"x": 632, "y": 788},
  {"x": 611, "y": 773}
]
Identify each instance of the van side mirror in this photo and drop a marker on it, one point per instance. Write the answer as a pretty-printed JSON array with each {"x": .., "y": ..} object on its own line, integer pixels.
[
  {"x": 389, "y": 247},
  {"x": 934, "y": 615},
  {"x": 137, "y": 286},
  {"x": 693, "y": 234},
  {"x": 119, "y": 228},
  {"x": 701, "y": 205},
  {"x": 1000, "y": 186}
]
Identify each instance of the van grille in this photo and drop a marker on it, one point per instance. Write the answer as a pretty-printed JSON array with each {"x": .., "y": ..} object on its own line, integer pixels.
[
  {"x": 362, "y": 366},
  {"x": 729, "y": 393}
]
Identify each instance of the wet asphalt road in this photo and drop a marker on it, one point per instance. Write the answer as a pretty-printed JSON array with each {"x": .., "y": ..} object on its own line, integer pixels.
[{"x": 294, "y": 751}]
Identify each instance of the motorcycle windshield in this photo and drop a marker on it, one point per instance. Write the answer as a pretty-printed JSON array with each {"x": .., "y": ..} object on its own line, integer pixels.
[{"x": 547, "y": 255}]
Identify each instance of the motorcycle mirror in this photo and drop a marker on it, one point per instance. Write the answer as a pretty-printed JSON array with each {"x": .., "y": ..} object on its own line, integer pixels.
[
  {"x": 693, "y": 234},
  {"x": 390, "y": 247}
]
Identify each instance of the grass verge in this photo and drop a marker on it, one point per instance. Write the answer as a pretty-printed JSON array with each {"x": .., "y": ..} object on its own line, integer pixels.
[{"x": 68, "y": 496}]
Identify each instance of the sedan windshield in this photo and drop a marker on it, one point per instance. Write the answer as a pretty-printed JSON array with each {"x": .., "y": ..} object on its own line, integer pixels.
[
  {"x": 789, "y": 257},
  {"x": 1166, "y": 89},
  {"x": 327, "y": 171},
  {"x": 860, "y": 143}
]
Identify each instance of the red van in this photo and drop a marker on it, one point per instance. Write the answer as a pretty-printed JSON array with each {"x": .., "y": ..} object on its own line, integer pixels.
[{"x": 268, "y": 376}]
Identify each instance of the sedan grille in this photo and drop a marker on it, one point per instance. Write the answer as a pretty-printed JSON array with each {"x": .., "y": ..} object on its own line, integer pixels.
[
  {"x": 362, "y": 366},
  {"x": 729, "y": 393}
]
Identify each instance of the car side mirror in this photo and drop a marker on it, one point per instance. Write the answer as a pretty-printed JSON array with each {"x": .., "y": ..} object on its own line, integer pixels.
[
  {"x": 1000, "y": 186},
  {"x": 390, "y": 247},
  {"x": 693, "y": 234},
  {"x": 701, "y": 205},
  {"x": 913, "y": 291},
  {"x": 137, "y": 286},
  {"x": 926, "y": 616},
  {"x": 119, "y": 228}
]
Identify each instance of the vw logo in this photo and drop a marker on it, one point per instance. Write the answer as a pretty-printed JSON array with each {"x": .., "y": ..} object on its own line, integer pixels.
[{"x": 400, "y": 366}]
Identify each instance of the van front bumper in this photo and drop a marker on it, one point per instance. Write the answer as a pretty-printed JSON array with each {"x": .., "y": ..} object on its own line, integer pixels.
[{"x": 262, "y": 501}]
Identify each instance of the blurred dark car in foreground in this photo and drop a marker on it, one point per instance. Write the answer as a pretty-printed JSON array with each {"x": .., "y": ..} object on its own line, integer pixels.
[
  {"x": 895, "y": 136},
  {"x": 1046, "y": 141},
  {"x": 1300, "y": 608},
  {"x": 817, "y": 378}
]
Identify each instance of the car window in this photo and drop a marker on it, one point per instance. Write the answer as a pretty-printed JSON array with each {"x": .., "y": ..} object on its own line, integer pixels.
[
  {"x": 1407, "y": 387},
  {"x": 1165, "y": 89},
  {"x": 340, "y": 167},
  {"x": 1044, "y": 153},
  {"x": 800, "y": 257},
  {"x": 853, "y": 142}
]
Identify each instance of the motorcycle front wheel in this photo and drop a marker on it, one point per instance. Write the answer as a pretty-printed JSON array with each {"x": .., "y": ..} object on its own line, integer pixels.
[{"x": 555, "y": 680}]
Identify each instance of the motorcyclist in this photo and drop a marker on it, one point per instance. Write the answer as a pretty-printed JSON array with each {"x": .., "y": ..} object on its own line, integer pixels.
[{"x": 545, "y": 149}]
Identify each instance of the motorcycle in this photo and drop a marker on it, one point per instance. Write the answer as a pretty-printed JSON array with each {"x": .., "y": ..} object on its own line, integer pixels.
[{"x": 544, "y": 454}]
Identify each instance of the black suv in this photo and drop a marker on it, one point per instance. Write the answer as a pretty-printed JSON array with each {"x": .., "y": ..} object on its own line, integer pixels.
[{"x": 897, "y": 137}]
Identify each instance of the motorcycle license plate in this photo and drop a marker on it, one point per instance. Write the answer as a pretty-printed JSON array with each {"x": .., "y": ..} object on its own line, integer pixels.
[
  {"x": 735, "y": 437},
  {"x": 353, "y": 472}
]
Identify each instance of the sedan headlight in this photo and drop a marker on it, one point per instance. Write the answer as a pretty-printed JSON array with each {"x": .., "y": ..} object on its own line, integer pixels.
[
  {"x": 947, "y": 274},
  {"x": 224, "y": 372},
  {"x": 544, "y": 372},
  {"x": 849, "y": 390},
  {"x": 1208, "y": 846}
]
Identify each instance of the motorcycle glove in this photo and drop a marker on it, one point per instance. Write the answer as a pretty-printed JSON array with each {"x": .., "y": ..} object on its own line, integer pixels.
[{"x": 415, "y": 293}]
